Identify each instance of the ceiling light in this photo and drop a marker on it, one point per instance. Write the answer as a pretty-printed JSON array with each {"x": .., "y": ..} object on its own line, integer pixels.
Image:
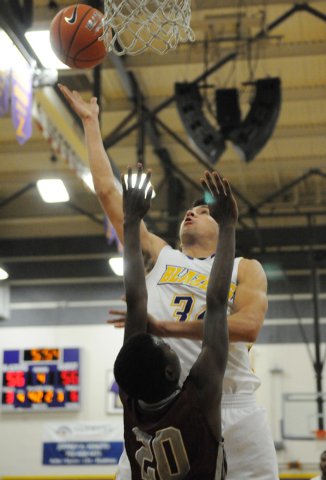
[
  {"x": 52, "y": 191},
  {"x": 40, "y": 43},
  {"x": 6, "y": 50},
  {"x": 133, "y": 182},
  {"x": 10, "y": 56},
  {"x": 3, "y": 274},
  {"x": 116, "y": 263}
]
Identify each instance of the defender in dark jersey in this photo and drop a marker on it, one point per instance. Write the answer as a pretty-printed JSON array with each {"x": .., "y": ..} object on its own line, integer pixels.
[{"x": 174, "y": 432}]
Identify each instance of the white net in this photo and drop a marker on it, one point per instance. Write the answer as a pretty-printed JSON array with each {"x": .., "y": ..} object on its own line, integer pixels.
[{"x": 133, "y": 26}]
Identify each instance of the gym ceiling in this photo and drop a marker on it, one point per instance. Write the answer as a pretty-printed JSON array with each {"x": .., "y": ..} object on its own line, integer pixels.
[{"x": 281, "y": 193}]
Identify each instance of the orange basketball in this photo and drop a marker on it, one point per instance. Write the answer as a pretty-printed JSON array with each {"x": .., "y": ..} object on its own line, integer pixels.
[{"x": 74, "y": 34}]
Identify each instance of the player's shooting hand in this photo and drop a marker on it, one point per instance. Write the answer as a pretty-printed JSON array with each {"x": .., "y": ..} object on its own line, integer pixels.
[
  {"x": 83, "y": 109},
  {"x": 136, "y": 202},
  {"x": 223, "y": 208}
]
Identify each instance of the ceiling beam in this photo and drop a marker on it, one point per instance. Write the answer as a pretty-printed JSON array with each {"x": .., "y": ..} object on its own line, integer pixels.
[
  {"x": 290, "y": 94},
  {"x": 43, "y": 14},
  {"x": 194, "y": 53}
]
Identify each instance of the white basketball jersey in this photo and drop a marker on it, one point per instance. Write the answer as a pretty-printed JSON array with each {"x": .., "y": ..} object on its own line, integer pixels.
[{"x": 177, "y": 291}]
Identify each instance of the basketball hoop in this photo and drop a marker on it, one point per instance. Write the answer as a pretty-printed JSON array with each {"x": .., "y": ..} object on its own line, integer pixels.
[
  {"x": 320, "y": 434},
  {"x": 139, "y": 25}
]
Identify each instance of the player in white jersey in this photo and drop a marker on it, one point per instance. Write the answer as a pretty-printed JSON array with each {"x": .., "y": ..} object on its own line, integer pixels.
[{"x": 248, "y": 442}]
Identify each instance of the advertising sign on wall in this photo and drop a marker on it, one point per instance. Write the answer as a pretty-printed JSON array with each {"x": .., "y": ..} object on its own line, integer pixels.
[{"x": 82, "y": 443}]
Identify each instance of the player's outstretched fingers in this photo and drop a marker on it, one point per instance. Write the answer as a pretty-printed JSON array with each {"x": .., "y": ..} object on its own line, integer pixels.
[
  {"x": 218, "y": 182},
  {"x": 212, "y": 185},
  {"x": 146, "y": 181},
  {"x": 149, "y": 194},
  {"x": 123, "y": 183},
  {"x": 77, "y": 95},
  {"x": 139, "y": 174},
  {"x": 205, "y": 186},
  {"x": 227, "y": 187},
  {"x": 129, "y": 169}
]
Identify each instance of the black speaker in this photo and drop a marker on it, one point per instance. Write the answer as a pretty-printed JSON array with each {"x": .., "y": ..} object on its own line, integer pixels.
[
  {"x": 228, "y": 109},
  {"x": 208, "y": 141},
  {"x": 257, "y": 128}
]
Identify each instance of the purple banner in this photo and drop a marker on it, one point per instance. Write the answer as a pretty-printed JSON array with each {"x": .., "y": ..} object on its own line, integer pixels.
[
  {"x": 21, "y": 101},
  {"x": 4, "y": 91}
]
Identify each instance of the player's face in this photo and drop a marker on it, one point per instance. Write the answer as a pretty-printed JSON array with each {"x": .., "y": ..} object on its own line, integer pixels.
[
  {"x": 323, "y": 463},
  {"x": 198, "y": 221},
  {"x": 170, "y": 355}
]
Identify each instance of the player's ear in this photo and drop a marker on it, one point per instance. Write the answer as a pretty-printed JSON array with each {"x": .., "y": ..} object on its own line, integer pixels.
[{"x": 170, "y": 373}]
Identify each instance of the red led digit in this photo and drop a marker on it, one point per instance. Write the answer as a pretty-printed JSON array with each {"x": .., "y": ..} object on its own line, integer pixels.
[
  {"x": 20, "y": 380},
  {"x": 11, "y": 379},
  {"x": 10, "y": 397},
  {"x": 15, "y": 379},
  {"x": 74, "y": 377},
  {"x": 65, "y": 377},
  {"x": 74, "y": 396},
  {"x": 69, "y": 377}
]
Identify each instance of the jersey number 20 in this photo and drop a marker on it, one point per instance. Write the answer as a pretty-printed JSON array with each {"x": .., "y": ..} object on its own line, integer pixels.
[{"x": 169, "y": 451}]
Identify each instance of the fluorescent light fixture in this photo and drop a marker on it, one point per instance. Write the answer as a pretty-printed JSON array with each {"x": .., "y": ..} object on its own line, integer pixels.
[
  {"x": 52, "y": 190},
  {"x": 10, "y": 56},
  {"x": 6, "y": 50},
  {"x": 133, "y": 181},
  {"x": 3, "y": 274},
  {"x": 40, "y": 43},
  {"x": 116, "y": 263}
]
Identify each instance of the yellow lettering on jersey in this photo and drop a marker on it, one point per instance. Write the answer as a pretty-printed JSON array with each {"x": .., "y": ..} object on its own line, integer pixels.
[
  {"x": 167, "y": 274},
  {"x": 187, "y": 277},
  {"x": 204, "y": 285},
  {"x": 175, "y": 276},
  {"x": 198, "y": 281},
  {"x": 232, "y": 291}
]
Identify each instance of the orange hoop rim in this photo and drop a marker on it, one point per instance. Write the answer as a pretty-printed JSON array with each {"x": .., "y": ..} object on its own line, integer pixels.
[{"x": 320, "y": 434}]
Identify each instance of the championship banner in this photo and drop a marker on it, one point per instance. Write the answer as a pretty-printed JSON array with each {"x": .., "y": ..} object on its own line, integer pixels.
[
  {"x": 21, "y": 100},
  {"x": 82, "y": 443},
  {"x": 4, "y": 91}
]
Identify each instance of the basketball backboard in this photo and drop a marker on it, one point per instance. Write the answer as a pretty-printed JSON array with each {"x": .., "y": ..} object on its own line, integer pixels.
[{"x": 304, "y": 414}]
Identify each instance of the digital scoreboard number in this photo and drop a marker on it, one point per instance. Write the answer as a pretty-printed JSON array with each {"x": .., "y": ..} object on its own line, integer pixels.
[{"x": 41, "y": 379}]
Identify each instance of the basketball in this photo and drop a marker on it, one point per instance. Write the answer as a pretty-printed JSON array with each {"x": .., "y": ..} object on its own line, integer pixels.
[{"x": 74, "y": 34}]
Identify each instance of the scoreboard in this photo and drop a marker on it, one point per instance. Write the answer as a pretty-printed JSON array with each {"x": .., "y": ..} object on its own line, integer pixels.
[{"x": 41, "y": 379}]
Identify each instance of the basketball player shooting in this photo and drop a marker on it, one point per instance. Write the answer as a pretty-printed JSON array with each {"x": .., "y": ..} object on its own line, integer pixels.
[
  {"x": 161, "y": 441},
  {"x": 178, "y": 304}
]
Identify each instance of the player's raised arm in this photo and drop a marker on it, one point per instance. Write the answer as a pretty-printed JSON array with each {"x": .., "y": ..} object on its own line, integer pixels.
[
  {"x": 135, "y": 207},
  {"x": 208, "y": 371},
  {"x": 103, "y": 177}
]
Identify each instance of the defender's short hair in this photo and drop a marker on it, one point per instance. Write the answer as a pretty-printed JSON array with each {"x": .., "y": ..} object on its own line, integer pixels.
[
  {"x": 199, "y": 202},
  {"x": 139, "y": 369}
]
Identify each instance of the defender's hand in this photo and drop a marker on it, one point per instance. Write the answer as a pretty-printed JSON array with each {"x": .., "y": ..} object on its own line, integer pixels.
[
  {"x": 135, "y": 203},
  {"x": 83, "y": 109},
  {"x": 223, "y": 208}
]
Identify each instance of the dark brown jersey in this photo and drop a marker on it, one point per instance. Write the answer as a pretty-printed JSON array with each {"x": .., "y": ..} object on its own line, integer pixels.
[{"x": 174, "y": 441}]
